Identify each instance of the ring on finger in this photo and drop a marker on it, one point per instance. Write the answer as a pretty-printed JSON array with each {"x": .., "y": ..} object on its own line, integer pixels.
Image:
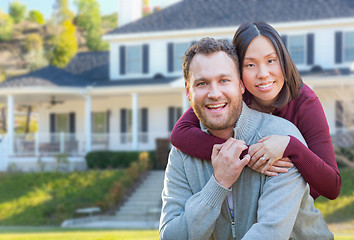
[{"x": 263, "y": 158}]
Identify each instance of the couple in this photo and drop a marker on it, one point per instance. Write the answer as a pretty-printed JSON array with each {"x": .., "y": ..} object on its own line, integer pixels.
[{"x": 223, "y": 199}]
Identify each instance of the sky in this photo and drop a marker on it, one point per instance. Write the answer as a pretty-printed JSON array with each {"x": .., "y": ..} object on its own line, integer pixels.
[{"x": 45, "y": 6}]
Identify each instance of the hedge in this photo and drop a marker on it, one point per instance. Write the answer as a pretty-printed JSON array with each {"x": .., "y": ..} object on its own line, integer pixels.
[{"x": 114, "y": 159}]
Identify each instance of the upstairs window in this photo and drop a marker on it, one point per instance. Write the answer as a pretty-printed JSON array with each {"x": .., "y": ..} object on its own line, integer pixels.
[
  {"x": 180, "y": 49},
  {"x": 296, "y": 48},
  {"x": 348, "y": 46},
  {"x": 176, "y": 52},
  {"x": 134, "y": 59}
]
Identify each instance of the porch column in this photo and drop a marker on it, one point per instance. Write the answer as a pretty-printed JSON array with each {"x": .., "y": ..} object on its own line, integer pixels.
[
  {"x": 10, "y": 123},
  {"x": 135, "y": 124},
  {"x": 185, "y": 102},
  {"x": 88, "y": 121}
]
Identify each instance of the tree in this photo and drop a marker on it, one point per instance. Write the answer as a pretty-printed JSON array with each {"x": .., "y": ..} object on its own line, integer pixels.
[
  {"x": 36, "y": 17},
  {"x": 62, "y": 12},
  {"x": 17, "y": 11},
  {"x": 65, "y": 46},
  {"x": 6, "y": 26},
  {"x": 89, "y": 19},
  {"x": 35, "y": 58}
]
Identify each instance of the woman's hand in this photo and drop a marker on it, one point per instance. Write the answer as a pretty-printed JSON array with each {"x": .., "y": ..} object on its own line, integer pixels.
[{"x": 267, "y": 155}]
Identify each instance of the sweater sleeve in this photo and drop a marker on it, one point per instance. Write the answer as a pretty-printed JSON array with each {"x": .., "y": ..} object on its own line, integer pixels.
[
  {"x": 317, "y": 163},
  {"x": 278, "y": 206},
  {"x": 190, "y": 139},
  {"x": 184, "y": 214}
]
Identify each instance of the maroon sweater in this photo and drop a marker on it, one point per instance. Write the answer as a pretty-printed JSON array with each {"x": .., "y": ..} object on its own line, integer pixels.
[{"x": 317, "y": 163}]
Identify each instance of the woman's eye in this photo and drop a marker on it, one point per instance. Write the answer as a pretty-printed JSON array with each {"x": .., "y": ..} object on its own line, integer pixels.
[
  {"x": 224, "y": 80},
  {"x": 250, "y": 65},
  {"x": 271, "y": 60}
]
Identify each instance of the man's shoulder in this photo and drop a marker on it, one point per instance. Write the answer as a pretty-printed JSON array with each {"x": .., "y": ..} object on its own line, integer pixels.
[{"x": 274, "y": 125}]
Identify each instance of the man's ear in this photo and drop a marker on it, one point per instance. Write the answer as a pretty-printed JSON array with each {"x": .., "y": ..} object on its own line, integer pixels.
[
  {"x": 187, "y": 91},
  {"x": 242, "y": 87}
]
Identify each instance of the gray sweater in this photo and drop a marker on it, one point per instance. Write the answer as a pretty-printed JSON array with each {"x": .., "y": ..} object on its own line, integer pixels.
[{"x": 194, "y": 205}]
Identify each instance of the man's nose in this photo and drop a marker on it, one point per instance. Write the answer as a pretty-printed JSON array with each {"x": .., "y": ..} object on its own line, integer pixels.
[
  {"x": 214, "y": 91},
  {"x": 263, "y": 72}
]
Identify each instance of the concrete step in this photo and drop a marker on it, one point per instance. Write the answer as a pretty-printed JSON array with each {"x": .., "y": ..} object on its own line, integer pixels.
[{"x": 145, "y": 203}]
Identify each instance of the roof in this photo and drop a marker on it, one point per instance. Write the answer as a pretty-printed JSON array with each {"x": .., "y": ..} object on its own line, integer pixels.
[
  {"x": 49, "y": 76},
  {"x": 85, "y": 69},
  {"x": 196, "y": 14}
]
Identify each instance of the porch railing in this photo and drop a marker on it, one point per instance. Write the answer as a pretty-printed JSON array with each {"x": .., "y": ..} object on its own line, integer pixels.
[{"x": 46, "y": 144}]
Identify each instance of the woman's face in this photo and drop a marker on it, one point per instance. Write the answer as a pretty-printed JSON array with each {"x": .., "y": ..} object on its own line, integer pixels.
[{"x": 261, "y": 71}]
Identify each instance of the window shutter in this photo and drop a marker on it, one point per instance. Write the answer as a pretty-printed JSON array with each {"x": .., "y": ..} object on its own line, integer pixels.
[
  {"x": 52, "y": 123},
  {"x": 339, "y": 114},
  {"x": 310, "y": 49},
  {"x": 123, "y": 120},
  {"x": 122, "y": 60},
  {"x": 144, "y": 120},
  {"x": 284, "y": 38},
  {"x": 72, "y": 122},
  {"x": 171, "y": 118},
  {"x": 338, "y": 47},
  {"x": 170, "y": 57},
  {"x": 108, "y": 116},
  {"x": 145, "y": 58}
]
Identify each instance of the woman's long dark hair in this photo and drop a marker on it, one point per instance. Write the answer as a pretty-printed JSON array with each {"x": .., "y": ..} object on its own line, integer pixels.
[{"x": 292, "y": 79}]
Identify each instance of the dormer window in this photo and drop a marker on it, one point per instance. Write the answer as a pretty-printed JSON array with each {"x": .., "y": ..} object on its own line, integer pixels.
[
  {"x": 296, "y": 48},
  {"x": 348, "y": 46},
  {"x": 134, "y": 59}
]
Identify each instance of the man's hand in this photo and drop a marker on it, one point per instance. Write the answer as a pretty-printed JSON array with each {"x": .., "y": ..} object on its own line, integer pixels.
[{"x": 226, "y": 161}]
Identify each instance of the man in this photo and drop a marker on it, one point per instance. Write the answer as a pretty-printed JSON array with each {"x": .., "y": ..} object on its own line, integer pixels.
[{"x": 224, "y": 199}]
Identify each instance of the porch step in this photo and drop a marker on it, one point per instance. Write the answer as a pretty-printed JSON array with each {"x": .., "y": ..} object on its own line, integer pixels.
[
  {"x": 141, "y": 210},
  {"x": 145, "y": 203}
]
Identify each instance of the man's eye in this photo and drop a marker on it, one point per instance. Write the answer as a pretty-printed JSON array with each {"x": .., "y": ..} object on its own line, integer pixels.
[
  {"x": 224, "y": 80},
  {"x": 201, "y": 84},
  {"x": 250, "y": 65}
]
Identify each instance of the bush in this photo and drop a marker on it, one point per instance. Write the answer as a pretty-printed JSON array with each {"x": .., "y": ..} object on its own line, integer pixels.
[{"x": 112, "y": 159}]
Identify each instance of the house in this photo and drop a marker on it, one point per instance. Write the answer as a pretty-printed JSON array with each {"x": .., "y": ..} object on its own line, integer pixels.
[{"x": 132, "y": 95}]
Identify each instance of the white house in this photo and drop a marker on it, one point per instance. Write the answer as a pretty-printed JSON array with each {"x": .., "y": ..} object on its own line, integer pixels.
[{"x": 128, "y": 97}]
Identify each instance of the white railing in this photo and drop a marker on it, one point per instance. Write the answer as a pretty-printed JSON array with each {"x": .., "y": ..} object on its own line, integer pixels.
[
  {"x": 47, "y": 144},
  {"x": 3, "y": 153}
]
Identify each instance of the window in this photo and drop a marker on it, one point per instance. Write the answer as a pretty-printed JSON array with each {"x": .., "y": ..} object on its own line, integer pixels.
[
  {"x": 348, "y": 44},
  {"x": 62, "y": 123},
  {"x": 174, "y": 113},
  {"x": 134, "y": 59},
  {"x": 99, "y": 122},
  {"x": 296, "y": 47},
  {"x": 180, "y": 49}
]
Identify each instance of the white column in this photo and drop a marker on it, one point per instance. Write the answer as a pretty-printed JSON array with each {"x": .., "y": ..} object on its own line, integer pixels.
[
  {"x": 185, "y": 102},
  {"x": 135, "y": 124},
  {"x": 88, "y": 121},
  {"x": 10, "y": 123}
]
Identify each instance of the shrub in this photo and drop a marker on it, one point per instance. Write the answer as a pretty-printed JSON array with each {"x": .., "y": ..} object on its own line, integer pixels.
[{"x": 112, "y": 159}]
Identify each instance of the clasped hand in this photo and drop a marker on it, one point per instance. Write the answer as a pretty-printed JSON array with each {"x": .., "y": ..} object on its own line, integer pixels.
[
  {"x": 226, "y": 161},
  {"x": 267, "y": 155}
]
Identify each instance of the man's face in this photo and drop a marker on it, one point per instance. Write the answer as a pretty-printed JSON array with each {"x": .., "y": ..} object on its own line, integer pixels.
[{"x": 215, "y": 90}]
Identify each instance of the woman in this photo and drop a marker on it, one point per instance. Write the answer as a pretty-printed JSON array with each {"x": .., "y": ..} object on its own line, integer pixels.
[{"x": 274, "y": 86}]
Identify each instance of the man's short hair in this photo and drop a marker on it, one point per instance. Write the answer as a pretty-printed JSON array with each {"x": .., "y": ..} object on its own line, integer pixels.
[{"x": 207, "y": 46}]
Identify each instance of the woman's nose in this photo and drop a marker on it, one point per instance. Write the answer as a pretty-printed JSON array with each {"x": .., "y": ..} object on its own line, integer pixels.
[{"x": 263, "y": 73}]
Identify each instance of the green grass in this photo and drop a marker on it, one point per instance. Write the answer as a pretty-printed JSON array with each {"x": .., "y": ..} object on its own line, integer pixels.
[
  {"x": 341, "y": 209},
  {"x": 75, "y": 234},
  {"x": 49, "y": 198}
]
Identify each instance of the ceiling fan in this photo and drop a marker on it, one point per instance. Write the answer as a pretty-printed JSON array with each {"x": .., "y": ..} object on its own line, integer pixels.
[{"x": 53, "y": 101}]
